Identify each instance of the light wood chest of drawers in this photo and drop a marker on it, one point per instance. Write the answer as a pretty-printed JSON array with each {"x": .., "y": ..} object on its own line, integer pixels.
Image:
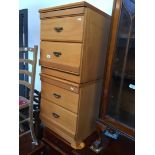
[{"x": 73, "y": 47}]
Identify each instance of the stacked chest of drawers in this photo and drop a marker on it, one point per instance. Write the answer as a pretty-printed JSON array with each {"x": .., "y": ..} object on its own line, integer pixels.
[{"x": 73, "y": 47}]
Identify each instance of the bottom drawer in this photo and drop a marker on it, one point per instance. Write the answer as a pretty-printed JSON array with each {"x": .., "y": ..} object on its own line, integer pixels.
[{"x": 57, "y": 116}]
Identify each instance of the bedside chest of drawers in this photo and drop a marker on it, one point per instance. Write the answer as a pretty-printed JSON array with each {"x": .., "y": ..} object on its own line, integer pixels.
[{"x": 73, "y": 47}]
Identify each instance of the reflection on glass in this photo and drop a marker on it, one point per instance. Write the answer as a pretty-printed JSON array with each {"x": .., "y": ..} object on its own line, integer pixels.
[{"x": 122, "y": 91}]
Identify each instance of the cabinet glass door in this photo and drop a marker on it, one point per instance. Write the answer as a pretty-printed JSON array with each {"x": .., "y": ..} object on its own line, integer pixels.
[{"x": 121, "y": 105}]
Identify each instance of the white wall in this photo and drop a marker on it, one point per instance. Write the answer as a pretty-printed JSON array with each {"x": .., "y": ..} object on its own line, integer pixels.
[{"x": 34, "y": 21}]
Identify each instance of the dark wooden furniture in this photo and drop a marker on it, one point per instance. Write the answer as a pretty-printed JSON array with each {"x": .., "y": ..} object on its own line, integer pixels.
[
  {"x": 52, "y": 144},
  {"x": 57, "y": 146},
  {"x": 118, "y": 101}
]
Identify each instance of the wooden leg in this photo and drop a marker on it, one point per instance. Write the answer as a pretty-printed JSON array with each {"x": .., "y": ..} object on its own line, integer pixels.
[{"x": 78, "y": 145}]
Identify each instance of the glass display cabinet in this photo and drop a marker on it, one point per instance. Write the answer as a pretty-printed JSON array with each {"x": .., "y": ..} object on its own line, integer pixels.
[{"x": 118, "y": 101}]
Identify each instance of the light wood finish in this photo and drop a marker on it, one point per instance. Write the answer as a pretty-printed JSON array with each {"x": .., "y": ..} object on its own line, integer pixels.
[
  {"x": 59, "y": 115},
  {"x": 95, "y": 43},
  {"x": 74, "y": 5},
  {"x": 77, "y": 146},
  {"x": 88, "y": 99},
  {"x": 67, "y": 56},
  {"x": 88, "y": 109},
  {"x": 61, "y": 75},
  {"x": 90, "y": 61},
  {"x": 60, "y": 96},
  {"x": 77, "y": 74},
  {"x": 58, "y": 13},
  {"x": 58, "y": 129},
  {"x": 72, "y": 29},
  {"x": 61, "y": 83}
]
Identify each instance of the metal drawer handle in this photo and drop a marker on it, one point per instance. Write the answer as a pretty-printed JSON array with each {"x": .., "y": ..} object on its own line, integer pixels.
[
  {"x": 55, "y": 115},
  {"x": 58, "y": 29},
  {"x": 56, "y": 95},
  {"x": 57, "y": 54}
]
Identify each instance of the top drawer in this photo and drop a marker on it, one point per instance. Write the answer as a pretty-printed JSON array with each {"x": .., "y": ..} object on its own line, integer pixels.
[{"x": 62, "y": 29}]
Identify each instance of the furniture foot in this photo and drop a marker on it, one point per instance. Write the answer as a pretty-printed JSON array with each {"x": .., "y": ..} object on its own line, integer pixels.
[{"x": 77, "y": 145}]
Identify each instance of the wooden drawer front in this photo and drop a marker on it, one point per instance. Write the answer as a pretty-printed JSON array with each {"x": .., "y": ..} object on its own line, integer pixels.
[
  {"x": 58, "y": 115},
  {"x": 73, "y": 87},
  {"x": 62, "y": 29},
  {"x": 61, "y": 75},
  {"x": 60, "y": 96},
  {"x": 62, "y": 56}
]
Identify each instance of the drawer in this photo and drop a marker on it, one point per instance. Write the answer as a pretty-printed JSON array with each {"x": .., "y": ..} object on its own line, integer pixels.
[
  {"x": 62, "y": 29},
  {"x": 70, "y": 86},
  {"x": 61, "y": 56},
  {"x": 61, "y": 75},
  {"x": 58, "y": 115},
  {"x": 60, "y": 96}
]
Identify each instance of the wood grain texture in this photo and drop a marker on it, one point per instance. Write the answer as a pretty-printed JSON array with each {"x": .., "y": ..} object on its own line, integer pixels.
[
  {"x": 64, "y": 118},
  {"x": 72, "y": 29},
  {"x": 88, "y": 109},
  {"x": 62, "y": 13},
  {"x": 80, "y": 72},
  {"x": 74, "y": 5},
  {"x": 68, "y": 60},
  {"x": 94, "y": 46},
  {"x": 57, "y": 128},
  {"x": 74, "y": 130},
  {"x": 60, "y": 96},
  {"x": 62, "y": 7},
  {"x": 73, "y": 87},
  {"x": 60, "y": 74},
  {"x": 130, "y": 132},
  {"x": 110, "y": 54}
]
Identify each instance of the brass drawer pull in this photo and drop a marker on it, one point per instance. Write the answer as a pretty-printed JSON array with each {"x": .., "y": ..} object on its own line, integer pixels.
[
  {"x": 55, "y": 115},
  {"x": 57, "y": 54},
  {"x": 58, "y": 29},
  {"x": 56, "y": 95}
]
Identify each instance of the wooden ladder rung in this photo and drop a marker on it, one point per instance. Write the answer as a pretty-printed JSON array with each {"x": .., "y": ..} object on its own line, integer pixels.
[
  {"x": 26, "y": 49},
  {"x": 24, "y": 106},
  {"x": 26, "y": 61},
  {"x": 22, "y": 134},
  {"x": 25, "y": 120}
]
